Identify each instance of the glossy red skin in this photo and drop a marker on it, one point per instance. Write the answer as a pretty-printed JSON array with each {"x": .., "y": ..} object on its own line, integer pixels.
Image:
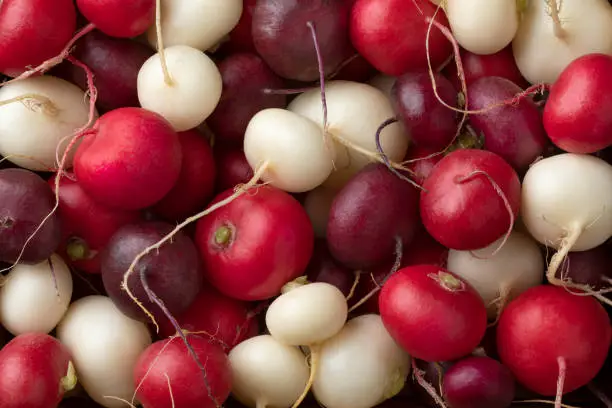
[
  {"x": 31, "y": 368},
  {"x": 196, "y": 182},
  {"x": 227, "y": 320},
  {"x": 131, "y": 160},
  {"x": 391, "y": 34},
  {"x": 119, "y": 18},
  {"x": 232, "y": 168},
  {"x": 241, "y": 37},
  {"x": 88, "y": 222},
  {"x": 547, "y": 322},
  {"x": 513, "y": 131},
  {"x": 271, "y": 243},
  {"x": 577, "y": 113},
  {"x": 33, "y": 31},
  {"x": 169, "y": 359},
  {"x": 471, "y": 214},
  {"x": 324, "y": 268},
  {"x": 422, "y": 164}
]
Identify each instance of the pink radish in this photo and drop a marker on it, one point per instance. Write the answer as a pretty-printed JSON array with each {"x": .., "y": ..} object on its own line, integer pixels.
[{"x": 117, "y": 18}]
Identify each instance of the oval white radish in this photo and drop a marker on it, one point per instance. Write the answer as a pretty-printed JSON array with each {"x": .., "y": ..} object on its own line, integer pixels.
[
  {"x": 317, "y": 204},
  {"x": 541, "y": 52},
  {"x": 34, "y": 298},
  {"x": 470, "y": 19},
  {"x": 32, "y": 129},
  {"x": 105, "y": 345},
  {"x": 500, "y": 276},
  {"x": 267, "y": 373},
  {"x": 190, "y": 94}
]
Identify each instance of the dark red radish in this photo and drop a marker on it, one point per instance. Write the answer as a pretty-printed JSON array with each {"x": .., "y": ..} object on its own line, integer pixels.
[
  {"x": 172, "y": 273},
  {"x": 169, "y": 377},
  {"x": 196, "y": 182},
  {"x": 470, "y": 199},
  {"x": 35, "y": 372},
  {"x": 241, "y": 37},
  {"x": 324, "y": 268},
  {"x": 513, "y": 131},
  {"x": 391, "y": 35},
  {"x": 256, "y": 244},
  {"x": 232, "y": 168},
  {"x": 225, "y": 320},
  {"x": 547, "y": 333},
  {"x": 430, "y": 123},
  {"x": 367, "y": 215},
  {"x": 591, "y": 267},
  {"x": 478, "y": 382},
  {"x": 25, "y": 200},
  {"x": 33, "y": 31},
  {"x": 354, "y": 68},
  {"x": 245, "y": 77},
  {"x": 131, "y": 159},
  {"x": 284, "y": 40},
  {"x": 577, "y": 113},
  {"x": 422, "y": 161},
  {"x": 118, "y": 18},
  {"x": 432, "y": 313},
  {"x": 87, "y": 226}
]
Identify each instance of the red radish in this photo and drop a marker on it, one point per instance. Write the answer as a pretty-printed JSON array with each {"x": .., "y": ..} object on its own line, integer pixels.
[
  {"x": 50, "y": 25},
  {"x": 87, "y": 226},
  {"x": 576, "y": 114},
  {"x": 167, "y": 376},
  {"x": 232, "y": 168},
  {"x": 433, "y": 314},
  {"x": 422, "y": 160},
  {"x": 391, "y": 34},
  {"x": 255, "y": 244},
  {"x": 324, "y": 268},
  {"x": 548, "y": 333},
  {"x": 470, "y": 199},
  {"x": 241, "y": 37},
  {"x": 130, "y": 160},
  {"x": 354, "y": 68},
  {"x": 35, "y": 372},
  {"x": 118, "y": 18},
  {"x": 196, "y": 182}
]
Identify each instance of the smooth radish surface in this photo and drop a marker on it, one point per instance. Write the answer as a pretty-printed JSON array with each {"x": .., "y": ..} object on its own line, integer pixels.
[
  {"x": 422, "y": 160},
  {"x": 34, "y": 298},
  {"x": 52, "y": 24},
  {"x": 433, "y": 314},
  {"x": 500, "y": 276},
  {"x": 105, "y": 345},
  {"x": 543, "y": 52},
  {"x": 241, "y": 37},
  {"x": 546, "y": 323},
  {"x": 469, "y": 198},
  {"x": 118, "y": 18},
  {"x": 576, "y": 112},
  {"x": 267, "y": 373},
  {"x": 193, "y": 92},
  {"x": 232, "y": 168},
  {"x": 30, "y": 131},
  {"x": 199, "y": 24},
  {"x": 588, "y": 267},
  {"x": 468, "y": 19},
  {"x": 361, "y": 366}
]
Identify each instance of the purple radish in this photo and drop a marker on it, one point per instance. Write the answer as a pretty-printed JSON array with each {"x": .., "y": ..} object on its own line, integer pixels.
[
  {"x": 324, "y": 268},
  {"x": 591, "y": 267}
]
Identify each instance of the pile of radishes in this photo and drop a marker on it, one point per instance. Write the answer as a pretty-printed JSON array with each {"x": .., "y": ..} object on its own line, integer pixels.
[{"x": 283, "y": 203}]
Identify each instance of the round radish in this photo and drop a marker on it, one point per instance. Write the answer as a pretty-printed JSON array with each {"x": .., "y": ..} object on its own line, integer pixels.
[
  {"x": 324, "y": 268},
  {"x": 589, "y": 267},
  {"x": 383, "y": 83},
  {"x": 241, "y": 37},
  {"x": 232, "y": 168},
  {"x": 318, "y": 204},
  {"x": 118, "y": 18},
  {"x": 422, "y": 160}
]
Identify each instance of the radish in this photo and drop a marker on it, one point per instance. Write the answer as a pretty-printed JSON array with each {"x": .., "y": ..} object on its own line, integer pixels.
[
  {"x": 432, "y": 313},
  {"x": 318, "y": 203},
  {"x": 35, "y": 127},
  {"x": 34, "y": 298},
  {"x": 117, "y": 18},
  {"x": 35, "y": 371},
  {"x": 468, "y": 21},
  {"x": 361, "y": 366},
  {"x": 576, "y": 111},
  {"x": 552, "y": 340},
  {"x": 167, "y": 376},
  {"x": 500, "y": 276},
  {"x": 240, "y": 39},
  {"x": 567, "y": 204},
  {"x": 383, "y": 83},
  {"x": 267, "y": 373},
  {"x": 553, "y": 33},
  {"x": 588, "y": 267},
  {"x": 421, "y": 161},
  {"x": 324, "y": 268},
  {"x": 105, "y": 346},
  {"x": 470, "y": 199},
  {"x": 232, "y": 168}
]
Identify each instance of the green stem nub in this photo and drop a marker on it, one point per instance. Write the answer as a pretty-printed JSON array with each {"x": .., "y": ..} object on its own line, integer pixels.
[
  {"x": 77, "y": 249},
  {"x": 223, "y": 235}
]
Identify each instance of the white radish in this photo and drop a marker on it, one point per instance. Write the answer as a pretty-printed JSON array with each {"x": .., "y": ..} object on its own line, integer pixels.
[
  {"x": 34, "y": 298},
  {"x": 500, "y": 272},
  {"x": 185, "y": 94},
  {"x": 50, "y": 110},
  {"x": 317, "y": 204},
  {"x": 291, "y": 147},
  {"x": 200, "y": 24},
  {"x": 267, "y": 373},
  {"x": 553, "y": 33},
  {"x": 361, "y": 366},
  {"x": 105, "y": 345},
  {"x": 567, "y": 204},
  {"x": 469, "y": 19}
]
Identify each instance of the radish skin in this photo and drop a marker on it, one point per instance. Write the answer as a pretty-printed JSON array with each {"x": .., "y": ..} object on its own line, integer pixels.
[{"x": 317, "y": 204}]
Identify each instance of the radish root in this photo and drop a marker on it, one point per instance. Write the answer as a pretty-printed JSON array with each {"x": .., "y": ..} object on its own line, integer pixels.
[
  {"x": 560, "y": 381},
  {"x": 33, "y": 102},
  {"x": 170, "y": 390},
  {"x": 417, "y": 373},
  {"x": 315, "y": 354},
  {"x": 554, "y": 14},
  {"x": 160, "y": 44},
  {"x": 354, "y": 286}
]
